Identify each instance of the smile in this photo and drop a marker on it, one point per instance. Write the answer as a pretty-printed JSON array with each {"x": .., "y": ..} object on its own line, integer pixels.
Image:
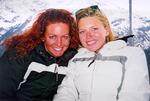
[
  {"x": 91, "y": 42},
  {"x": 57, "y": 49}
]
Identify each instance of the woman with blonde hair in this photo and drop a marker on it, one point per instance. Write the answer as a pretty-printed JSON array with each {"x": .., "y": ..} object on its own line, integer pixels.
[{"x": 103, "y": 69}]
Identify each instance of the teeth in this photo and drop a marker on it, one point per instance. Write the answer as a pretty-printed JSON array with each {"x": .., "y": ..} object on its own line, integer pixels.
[
  {"x": 91, "y": 42},
  {"x": 58, "y": 49}
]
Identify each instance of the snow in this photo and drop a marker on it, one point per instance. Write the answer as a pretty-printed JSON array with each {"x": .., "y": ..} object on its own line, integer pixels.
[{"x": 16, "y": 12}]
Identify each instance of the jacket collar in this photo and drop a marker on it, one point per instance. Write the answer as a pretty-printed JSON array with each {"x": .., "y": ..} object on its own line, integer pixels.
[
  {"x": 107, "y": 48},
  {"x": 49, "y": 59},
  {"x": 113, "y": 46}
]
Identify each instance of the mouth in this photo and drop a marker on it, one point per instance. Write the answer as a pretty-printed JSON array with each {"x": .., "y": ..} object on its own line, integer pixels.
[
  {"x": 58, "y": 49},
  {"x": 91, "y": 42}
]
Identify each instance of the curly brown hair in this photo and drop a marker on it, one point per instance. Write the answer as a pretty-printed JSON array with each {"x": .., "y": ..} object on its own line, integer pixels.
[{"x": 29, "y": 39}]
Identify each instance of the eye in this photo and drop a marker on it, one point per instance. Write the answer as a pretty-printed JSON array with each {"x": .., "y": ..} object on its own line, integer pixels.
[
  {"x": 52, "y": 37},
  {"x": 81, "y": 31},
  {"x": 94, "y": 29},
  {"x": 66, "y": 37}
]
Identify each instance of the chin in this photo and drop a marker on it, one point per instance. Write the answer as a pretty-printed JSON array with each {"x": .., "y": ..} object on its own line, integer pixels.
[
  {"x": 58, "y": 55},
  {"x": 92, "y": 49}
]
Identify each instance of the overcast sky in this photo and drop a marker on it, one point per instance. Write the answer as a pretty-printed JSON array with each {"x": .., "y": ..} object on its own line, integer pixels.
[
  {"x": 16, "y": 11},
  {"x": 142, "y": 5}
]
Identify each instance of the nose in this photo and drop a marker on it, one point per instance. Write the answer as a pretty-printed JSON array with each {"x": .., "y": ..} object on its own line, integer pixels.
[
  {"x": 89, "y": 34},
  {"x": 59, "y": 42}
]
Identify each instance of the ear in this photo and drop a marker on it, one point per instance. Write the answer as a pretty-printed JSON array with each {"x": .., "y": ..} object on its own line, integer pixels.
[
  {"x": 42, "y": 39},
  {"x": 107, "y": 33},
  {"x": 107, "y": 30}
]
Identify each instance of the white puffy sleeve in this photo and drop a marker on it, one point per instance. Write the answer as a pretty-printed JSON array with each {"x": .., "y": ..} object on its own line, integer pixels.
[
  {"x": 67, "y": 90},
  {"x": 136, "y": 85}
]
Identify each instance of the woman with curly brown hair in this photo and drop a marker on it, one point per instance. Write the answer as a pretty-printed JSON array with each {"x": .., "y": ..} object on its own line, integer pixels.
[{"x": 35, "y": 62}]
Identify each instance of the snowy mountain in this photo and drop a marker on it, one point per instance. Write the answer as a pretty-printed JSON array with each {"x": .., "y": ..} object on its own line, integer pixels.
[{"x": 15, "y": 16}]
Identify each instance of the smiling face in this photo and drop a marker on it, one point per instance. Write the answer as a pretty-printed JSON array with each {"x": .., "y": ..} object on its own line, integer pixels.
[
  {"x": 92, "y": 33},
  {"x": 57, "y": 39}
]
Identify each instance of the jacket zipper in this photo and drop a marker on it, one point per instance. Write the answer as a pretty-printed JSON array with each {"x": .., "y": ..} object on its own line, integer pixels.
[
  {"x": 90, "y": 96},
  {"x": 56, "y": 71}
]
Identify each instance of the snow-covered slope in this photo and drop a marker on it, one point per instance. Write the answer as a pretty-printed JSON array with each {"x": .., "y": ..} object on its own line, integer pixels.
[{"x": 15, "y": 16}]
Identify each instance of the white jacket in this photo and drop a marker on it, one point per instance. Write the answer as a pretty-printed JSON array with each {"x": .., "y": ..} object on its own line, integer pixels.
[{"x": 117, "y": 73}]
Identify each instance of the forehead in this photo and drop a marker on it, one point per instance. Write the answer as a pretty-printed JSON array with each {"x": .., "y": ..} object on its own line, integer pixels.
[
  {"x": 87, "y": 21},
  {"x": 57, "y": 28},
  {"x": 57, "y": 25}
]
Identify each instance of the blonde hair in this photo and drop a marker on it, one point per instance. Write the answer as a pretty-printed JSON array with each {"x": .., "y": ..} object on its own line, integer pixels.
[{"x": 95, "y": 11}]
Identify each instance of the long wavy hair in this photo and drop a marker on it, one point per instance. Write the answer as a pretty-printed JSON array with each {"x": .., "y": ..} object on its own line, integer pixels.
[{"x": 29, "y": 39}]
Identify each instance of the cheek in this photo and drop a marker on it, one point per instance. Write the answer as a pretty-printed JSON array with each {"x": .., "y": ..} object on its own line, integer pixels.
[
  {"x": 100, "y": 36},
  {"x": 82, "y": 37},
  {"x": 48, "y": 42},
  {"x": 101, "y": 40},
  {"x": 65, "y": 43}
]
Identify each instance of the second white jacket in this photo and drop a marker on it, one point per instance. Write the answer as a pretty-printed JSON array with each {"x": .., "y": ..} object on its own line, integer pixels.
[{"x": 117, "y": 73}]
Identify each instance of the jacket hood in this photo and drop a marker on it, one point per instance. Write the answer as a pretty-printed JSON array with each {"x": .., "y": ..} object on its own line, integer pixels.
[
  {"x": 107, "y": 48},
  {"x": 49, "y": 59}
]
